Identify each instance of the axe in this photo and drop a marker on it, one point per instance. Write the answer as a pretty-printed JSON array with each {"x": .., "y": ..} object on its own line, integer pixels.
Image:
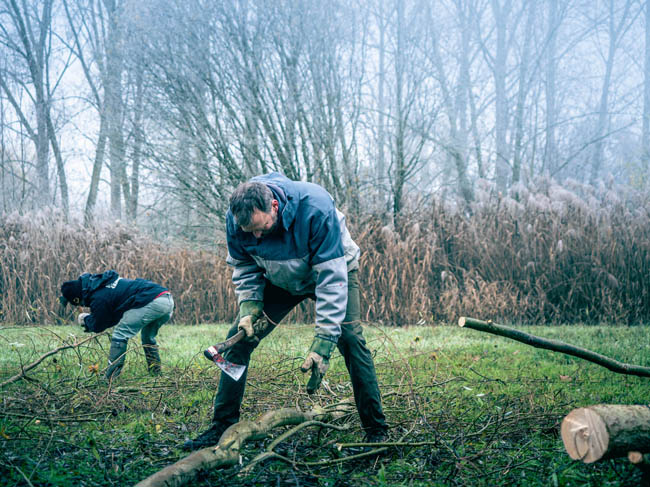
[{"x": 213, "y": 353}]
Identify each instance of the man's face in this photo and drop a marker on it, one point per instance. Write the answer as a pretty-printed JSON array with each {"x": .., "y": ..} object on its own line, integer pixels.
[{"x": 263, "y": 223}]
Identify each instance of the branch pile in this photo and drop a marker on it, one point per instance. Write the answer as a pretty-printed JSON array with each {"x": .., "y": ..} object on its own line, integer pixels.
[{"x": 227, "y": 451}]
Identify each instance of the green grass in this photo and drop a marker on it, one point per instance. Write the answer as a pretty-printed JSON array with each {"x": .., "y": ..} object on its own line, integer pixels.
[{"x": 491, "y": 407}]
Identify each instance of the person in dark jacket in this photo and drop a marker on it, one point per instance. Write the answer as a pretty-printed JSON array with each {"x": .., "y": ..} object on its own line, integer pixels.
[
  {"x": 131, "y": 305},
  {"x": 287, "y": 242}
]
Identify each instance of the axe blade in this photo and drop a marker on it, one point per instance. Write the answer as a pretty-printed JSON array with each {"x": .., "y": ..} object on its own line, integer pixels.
[{"x": 213, "y": 353}]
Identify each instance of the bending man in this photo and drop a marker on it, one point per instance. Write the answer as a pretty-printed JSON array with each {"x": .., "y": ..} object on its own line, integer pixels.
[
  {"x": 287, "y": 242},
  {"x": 131, "y": 305}
]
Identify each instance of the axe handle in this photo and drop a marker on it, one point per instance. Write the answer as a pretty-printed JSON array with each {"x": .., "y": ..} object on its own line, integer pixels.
[{"x": 230, "y": 342}]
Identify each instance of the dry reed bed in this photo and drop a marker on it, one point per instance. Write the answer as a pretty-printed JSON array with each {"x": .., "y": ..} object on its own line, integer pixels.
[{"x": 557, "y": 254}]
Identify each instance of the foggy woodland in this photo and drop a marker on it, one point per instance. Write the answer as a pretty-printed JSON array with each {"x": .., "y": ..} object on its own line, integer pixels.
[{"x": 152, "y": 111}]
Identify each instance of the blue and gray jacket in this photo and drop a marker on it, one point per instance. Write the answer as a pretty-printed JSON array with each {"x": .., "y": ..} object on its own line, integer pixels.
[{"x": 310, "y": 253}]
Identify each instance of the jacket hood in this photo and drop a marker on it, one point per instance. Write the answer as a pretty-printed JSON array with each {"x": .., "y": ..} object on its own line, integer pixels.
[{"x": 92, "y": 282}]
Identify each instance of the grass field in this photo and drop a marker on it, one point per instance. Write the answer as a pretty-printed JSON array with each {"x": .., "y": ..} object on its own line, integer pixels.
[{"x": 488, "y": 409}]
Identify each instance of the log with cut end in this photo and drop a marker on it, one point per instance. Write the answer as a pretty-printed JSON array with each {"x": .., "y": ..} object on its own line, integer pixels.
[
  {"x": 638, "y": 458},
  {"x": 605, "y": 431}
]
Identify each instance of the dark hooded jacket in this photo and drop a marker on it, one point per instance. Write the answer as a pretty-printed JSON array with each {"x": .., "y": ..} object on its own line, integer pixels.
[{"x": 109, "y": 296}]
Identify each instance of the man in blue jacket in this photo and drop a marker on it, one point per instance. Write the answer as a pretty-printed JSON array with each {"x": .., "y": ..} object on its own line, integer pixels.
[
  {"x": 288, "y": 242},
  {"x": 131, "y": 305}
]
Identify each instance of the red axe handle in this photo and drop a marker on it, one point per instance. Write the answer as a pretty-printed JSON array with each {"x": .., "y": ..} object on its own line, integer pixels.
[{"x": 223, "y": 346}]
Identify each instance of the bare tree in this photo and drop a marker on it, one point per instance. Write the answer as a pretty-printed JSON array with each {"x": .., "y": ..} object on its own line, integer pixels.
[
  {"x": 86, "y": 25},
  {"x": 25, "y": 30},
  {"x": 499, "y": 65},
  {"x": 252, "y": 88},
  {"x": 645, "y": 133},
  {"x": 616, "y": 29},
  {"x": 550, "y": 151},
  {"x": 112, "y": 67},
  {"x": 456, "y": 105}
]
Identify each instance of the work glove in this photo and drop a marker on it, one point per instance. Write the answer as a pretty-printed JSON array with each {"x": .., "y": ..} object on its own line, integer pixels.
[
  {"x": 318, "y": 361},
  {"x": 249, "y": 314},
  {"x": 81, "y": 319}
]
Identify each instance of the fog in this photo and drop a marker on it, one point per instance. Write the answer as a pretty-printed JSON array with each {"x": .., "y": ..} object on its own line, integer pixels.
[{"x": 152, "y": 111}]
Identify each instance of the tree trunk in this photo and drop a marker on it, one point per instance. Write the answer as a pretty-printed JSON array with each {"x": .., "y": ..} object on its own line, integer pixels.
[
  {"x": 138, "y": 141},
  {"x": 114, "y": 106},
  {"x": 550, "y": 156},
  {"x": 522, "y": 93},
  {"x": 97, "y": 169},
  {"x": 606, "y": 431},
  {"x": 615, "y": 34},
  {"x": 502, "y": 169},
  {"x": 63, "y": 182},
  {"x": 380, "y": 167},
  {"x": 645, "y": 156}
]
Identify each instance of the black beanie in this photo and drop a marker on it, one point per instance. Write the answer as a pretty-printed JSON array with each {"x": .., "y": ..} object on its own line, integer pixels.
[{"x": 71, "y": 291}]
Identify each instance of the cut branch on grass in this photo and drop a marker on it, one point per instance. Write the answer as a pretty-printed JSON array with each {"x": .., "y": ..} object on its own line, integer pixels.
[
  {"x": 226, "y": 453},
  {"x": 606, "y": 431},
  {"x": 35, "y": 363},
  {"x": 555, "y": 346}
]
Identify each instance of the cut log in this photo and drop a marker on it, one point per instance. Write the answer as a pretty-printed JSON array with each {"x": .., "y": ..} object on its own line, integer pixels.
[
  {"x": 606, "y": 431},
  {"x": 555, "y": 346},
  {"x": 638, "y": 458}
]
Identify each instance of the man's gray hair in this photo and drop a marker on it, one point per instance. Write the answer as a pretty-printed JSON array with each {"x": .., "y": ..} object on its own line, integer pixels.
[{"x": 247, "y": 198}]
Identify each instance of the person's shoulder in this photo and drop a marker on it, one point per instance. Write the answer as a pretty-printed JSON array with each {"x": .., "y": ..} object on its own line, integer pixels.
[
  {"x": 274, "y": 178},
  {"x": 316, "y": 197}
]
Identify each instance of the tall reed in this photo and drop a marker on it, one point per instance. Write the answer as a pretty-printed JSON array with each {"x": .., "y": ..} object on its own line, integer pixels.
[{"x": 554, "y": 255}]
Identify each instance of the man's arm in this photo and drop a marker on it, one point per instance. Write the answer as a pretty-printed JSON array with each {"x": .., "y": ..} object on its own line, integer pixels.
[
  {"x": 247, "y": 276},
  {"x": 328, "y": 260},
  {"x": 100, "y": 318}
]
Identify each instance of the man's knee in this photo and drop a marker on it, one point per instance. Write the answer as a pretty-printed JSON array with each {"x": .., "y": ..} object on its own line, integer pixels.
[{"x": 351, "y": 336}]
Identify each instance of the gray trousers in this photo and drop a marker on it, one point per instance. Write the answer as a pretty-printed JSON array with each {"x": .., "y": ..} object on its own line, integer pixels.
[{"x": 146, "y": 320}]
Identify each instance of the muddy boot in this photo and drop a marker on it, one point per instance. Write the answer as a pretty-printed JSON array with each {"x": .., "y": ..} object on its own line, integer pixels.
[
  {"x": 209, "y": 437},
  {"x": 116, "y": 357},
  {"x": 153, "y": 358}
]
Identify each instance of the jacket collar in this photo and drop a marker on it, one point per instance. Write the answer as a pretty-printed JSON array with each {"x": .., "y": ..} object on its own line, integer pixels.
[{"x": 286, "y": 205}]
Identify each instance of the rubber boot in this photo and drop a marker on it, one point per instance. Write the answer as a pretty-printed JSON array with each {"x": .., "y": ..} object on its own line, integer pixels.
[
  {"x": 116, "y": 357},
  {"x": 153, "y": 358}
]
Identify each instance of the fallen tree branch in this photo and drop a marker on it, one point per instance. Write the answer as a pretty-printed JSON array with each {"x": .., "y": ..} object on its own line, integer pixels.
[
  {"x": 269, "y": 453},
  {"x": 34, "y": 364},
  {"x": 555, "y": 346},
  {"x": 226, "y": 453},
  {"x": 340, "y": 446},
  {"x": 605, "y": 431}
]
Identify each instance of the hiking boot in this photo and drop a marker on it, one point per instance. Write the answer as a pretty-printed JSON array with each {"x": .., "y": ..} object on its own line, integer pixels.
[
  {"x": 209, "y": 437},
  {"x": 116, "y": 356},
  {"x": 153, "y": 358},
  {"x": 376, "y": 436}
]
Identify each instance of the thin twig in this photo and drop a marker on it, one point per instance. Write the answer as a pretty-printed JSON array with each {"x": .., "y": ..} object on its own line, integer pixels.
[{"x": 34, "y": 364}]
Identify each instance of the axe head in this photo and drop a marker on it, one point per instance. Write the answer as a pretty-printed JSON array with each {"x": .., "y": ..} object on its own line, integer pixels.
[{"x": 234, "y": 371}]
